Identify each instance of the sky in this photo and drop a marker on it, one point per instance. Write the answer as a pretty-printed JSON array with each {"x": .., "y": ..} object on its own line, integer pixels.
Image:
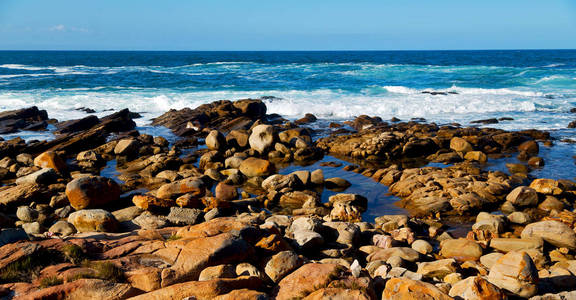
[{"x": 287, "y": 25}]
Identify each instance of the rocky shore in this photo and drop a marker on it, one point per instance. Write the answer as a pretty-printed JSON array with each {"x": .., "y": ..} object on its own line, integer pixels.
[{"x": 103, "y": 211}]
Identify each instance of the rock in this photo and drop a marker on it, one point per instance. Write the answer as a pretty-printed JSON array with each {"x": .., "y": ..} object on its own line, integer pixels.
[
  {"x": 87, "y": 220},
  {"x": 422, "y": 247},
  {"x": 317, "y": 177},
  {"x": 511, "y": 244},
  {"x": 32, "y": 228},
  {"x": 297, "y": 199},
  {"x": 277, "y": 182},
  {"x": 26, "y": 214},
  {"x": 256, "y": 167},
  {"x": 337, "y": 183},
  {"x": 146, "y": 220},
  {"x": 219, "y": 271},
  {"x": 203, "y": 252},
  {"x": 308, "y": 118},
  {"x": 51, "y": 160},
  {"x": 408, "y": 289},
  {"x": 43, "y": 176},
  {"x": 92, "y": 191},
  {"x": 127, "y": 147},
  {"x": 523, "y": 196},
  {"x": 515, "y": 272},
  {"x": 225, "y": 192},
  {"x": 461, "y": 249},
  {"x": 460, "y": 145},
  {"x": 193, "y": 186},
  {"x": 30, "y": 118},
  {"x": 551, "y": 203},
  {"x": 339, "y": 293},
  {"x": 478, "y": 156},
  {"x": 468, "y": 202},
  {"x": 184, "y": 216},
  {"x": 238, "y": 138},
  {"x": 262, "y": 138},
  {"x": 530, "y": 147},
  {"x": 553, "y": 232},
  {"x": 308, "y": 239},
  {"x": 308, "y": 278},
  {"x": 203, "y": 290},
  {"x": 77, "y": 125},
  {"x": 490, "y": 259},
  {"x": 62, "y": 228},
  {"x": 519, "y": 217},
  {"x": 148, "y": 202},
  {"x": 438, "y": 268},
  {"x": 546, "y": 186},
  {"x": 243, "y": 294},
  {"x": 215, "y": 140},
  {"x": 536, "y": 162},
  {"x": 476, "y": 288},
  {"x": 86, "y": 289},
  {"x": 281, "y": 264},
  {"x": 405, "y": 253}
]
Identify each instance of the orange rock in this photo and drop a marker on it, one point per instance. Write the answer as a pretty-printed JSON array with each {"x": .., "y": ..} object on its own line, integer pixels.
[
  {"x": 461, "y": 249},
  {"x": 146, "y": 279},
  {"x": 148, "y": 202},
  {"x": 476, "y": 288},
  {"x": 306, "y": 279},
  {"x": 408, "y": 289},
  {"x": 273, "y": 243},
  {"x": 256, "y": 167},
  {"x": 338, "y": 293},
  {"x": 193, "y": 185},
  {"x": 212, "y": 228},
  {"x": 200, "y": 253},
  {"x": 84, "y": 289},
  {"x": 52, "y": 160},
  {"x": 202, "y": 289},
  {"x": 243, "y": 294},
  {"x": 92, "y": 191}
]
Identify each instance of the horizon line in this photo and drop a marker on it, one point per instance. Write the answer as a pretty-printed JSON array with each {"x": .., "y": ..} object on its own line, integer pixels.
[{"x": 346, "y": 50}]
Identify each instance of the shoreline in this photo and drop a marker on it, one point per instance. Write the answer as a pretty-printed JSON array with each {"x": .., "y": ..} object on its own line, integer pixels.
[{"x": 214, "y": 214}]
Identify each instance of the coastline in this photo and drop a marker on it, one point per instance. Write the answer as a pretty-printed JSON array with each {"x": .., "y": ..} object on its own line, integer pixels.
[{"x": 245, "y": 204}]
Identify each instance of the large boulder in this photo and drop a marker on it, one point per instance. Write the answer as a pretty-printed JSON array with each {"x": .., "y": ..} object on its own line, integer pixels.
[
  {"x": 92, "y": 191},
  {"x": 553, "y": 232},
  {"x": 515, "y": 272},
  {"x": 30, "y": 118},
  {"x": 459, "y": 144},
  {"x": 88, "y": 220},
  {"x": 546, "y": 186},
  {"x": 215, "y": 140},
  {"x": 262, "y": 138}
]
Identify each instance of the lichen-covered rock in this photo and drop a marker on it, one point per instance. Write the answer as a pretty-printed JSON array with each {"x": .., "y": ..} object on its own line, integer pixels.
[
  {"x": 87, "y": 220},
  {"x": 476, "y": 288}
]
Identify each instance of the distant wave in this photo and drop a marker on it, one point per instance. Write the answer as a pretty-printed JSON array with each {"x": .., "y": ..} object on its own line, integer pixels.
[{"x": 463, "y": 91}]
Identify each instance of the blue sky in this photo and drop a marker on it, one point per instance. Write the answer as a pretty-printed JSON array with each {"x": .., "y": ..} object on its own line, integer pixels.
[{"x": 287, "y": 25}]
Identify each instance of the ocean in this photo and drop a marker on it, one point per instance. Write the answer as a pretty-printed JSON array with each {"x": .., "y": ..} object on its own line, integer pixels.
[{"x": 537, "y": 88}]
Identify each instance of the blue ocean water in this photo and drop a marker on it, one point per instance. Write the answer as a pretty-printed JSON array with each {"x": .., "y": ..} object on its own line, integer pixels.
[{"x": 535, "y": 87}]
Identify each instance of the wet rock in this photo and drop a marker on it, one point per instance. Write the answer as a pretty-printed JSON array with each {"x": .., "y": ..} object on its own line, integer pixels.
[
  {"x": 461, "y": 249},
  {"x": 317, "y": 177},
  {"x": 92, "y": 191},
  {"x": 530, "y": 147},
  {"x": 478, "y": 156},
  {"x": 536, "y": 162},
  {"x": 87, "y": 220},
  {"x": 515, "y": 272},
  {"x": 553, "y": 232},
  {"x": 337, "y": 183},
  {"x": 404, "y": 288},
  {"x": 256, "y": 167},
  {"x": 77, "y": 125}
]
